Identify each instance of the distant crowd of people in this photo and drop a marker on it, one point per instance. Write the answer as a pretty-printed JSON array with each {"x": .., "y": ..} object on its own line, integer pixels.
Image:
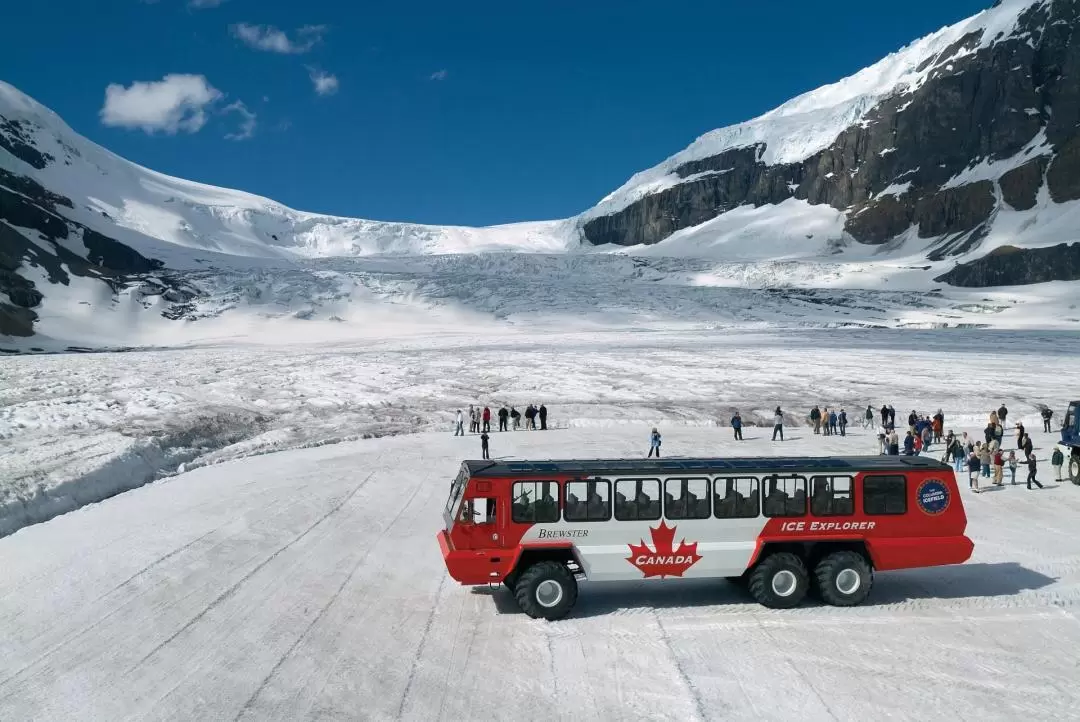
[
  {"x": 982, "y": 459},
  {"x": 480, "y": 422}
]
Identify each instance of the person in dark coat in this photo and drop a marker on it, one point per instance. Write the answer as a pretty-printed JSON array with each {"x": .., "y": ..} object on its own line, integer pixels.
[
  {"x": 842, "y": 420},
  {"x": 1047, "y": 414},
  {"x": 815, "y": 419},
  {"x": 1003, "y": 413},
  {"x": 484, "y": 445},
  {"x": 884, "y": 415},
  {"x": 1028, "y": 445},
  {"x": 503, "y": 416},
  {"x": 736, "y": 426},
  {"x": 515, "y": 415},
  {"x": 909, "y": 444},
  {"x": 542, "y": 413},
  {"x": 1032, "y": 468}
]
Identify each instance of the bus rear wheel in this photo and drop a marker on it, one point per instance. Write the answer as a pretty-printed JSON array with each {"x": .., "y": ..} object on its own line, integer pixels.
[
  {"x": 546, "y": 590},
  {"x": 779, "y": 581},
  {"x": 843, "y": 579},
  {"x": 1074, "y": 469}
]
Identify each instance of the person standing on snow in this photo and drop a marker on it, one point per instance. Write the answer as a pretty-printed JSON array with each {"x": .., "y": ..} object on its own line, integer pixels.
[
  {"x": 1032, "y": 468},
  {"x": 1057, "y": 460},
  {"x": 472, "y": 419},
  {"x": 868, "y": 418},
  {"x": 503, "y": 415},
  {"x": 973, "y": 471},
  {"x": 815, "y": 418},
  {"x": 778, "y": 424},
  {"x": 894, "y": 443},
  {"x": 736, "y": 425},
  {"x": 1012, "y": 466},
  {"x": 832, "y": 423},
  {"x": 654, "y": 443},
  {"x": 909, "y": 444},
  {"x": 484, "y": 445},
  {"x": 842, "y": 419},
  {"x": 1047, "y": 414},
  {"x": 985, "y": 460},
  {"x": 486, "y": 416},
  {"x": 542, "y": 413},
  {"x": 515, "y": 415},
  {"x": 999, "y": 468},
  {"x": 884, "y": 416},
  {"x": 459, "y": 426},
  {"x": 1002, "y": 414}
]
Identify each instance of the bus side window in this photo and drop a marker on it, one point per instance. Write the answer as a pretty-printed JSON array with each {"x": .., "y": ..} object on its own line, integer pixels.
[
  {"x": 637, "y": 499},
  {"x": 831, "y": 496},
  {"x": 686, "y": 498},
  {"x": 736, "y": 498},
  {"x": 535, "y": 502},
  {"x": 884, "y": 494},
  {"x": 588, "y": 500},
  {"x": 785, "y": 496}
]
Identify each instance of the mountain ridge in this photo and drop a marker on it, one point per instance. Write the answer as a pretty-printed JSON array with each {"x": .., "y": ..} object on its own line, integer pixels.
[{"x": 959, "y": 144}]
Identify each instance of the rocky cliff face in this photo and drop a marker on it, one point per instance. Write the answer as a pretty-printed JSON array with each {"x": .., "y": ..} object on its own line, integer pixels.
[
  {"x": 1009, "y": 266},
  {"x": 917, "y": 160}
]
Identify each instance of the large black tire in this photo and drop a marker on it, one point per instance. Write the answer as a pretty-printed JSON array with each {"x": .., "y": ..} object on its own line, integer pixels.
[
  {"x": 843, "y": 579},
  {"x": 546, "y": 590},
  {"x": 1074, "y": 469},
  {"x": 779, "y": 581}
]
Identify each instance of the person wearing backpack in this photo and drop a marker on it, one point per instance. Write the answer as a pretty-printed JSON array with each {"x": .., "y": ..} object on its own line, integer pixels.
[{"x": 1057, "y": 460}]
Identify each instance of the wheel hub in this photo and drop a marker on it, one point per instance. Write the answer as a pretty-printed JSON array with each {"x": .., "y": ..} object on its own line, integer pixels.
[
  {"x": 784, "y": 583},
  {"x": 549, "y": 593},
  {"x": 848, "y": 581}
]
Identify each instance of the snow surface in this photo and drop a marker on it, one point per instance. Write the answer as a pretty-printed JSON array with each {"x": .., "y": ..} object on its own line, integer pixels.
[
  {"x": 810, "y": 122},
  {"x": 77, "y": 428},
  {"x": 309, "y": 585}
]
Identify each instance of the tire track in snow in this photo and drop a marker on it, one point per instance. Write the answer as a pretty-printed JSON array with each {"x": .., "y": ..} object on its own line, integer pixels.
[
  {"x": 233, "y": 589},
  {"x": 250, "y": 703},
  {"x": 699, "y": 706},
  {"x": 420, "y": 648},
  {"x": 69, "y": 638}
]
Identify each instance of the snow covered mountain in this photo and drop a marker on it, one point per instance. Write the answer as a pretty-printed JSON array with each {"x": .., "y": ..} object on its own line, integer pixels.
[
  {"x": 955, "y": 160},
  {"x": 960, "y": 144}
]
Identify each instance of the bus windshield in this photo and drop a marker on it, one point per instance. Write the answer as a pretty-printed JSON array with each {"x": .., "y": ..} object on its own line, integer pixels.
[{"x": 456, "y": 488}]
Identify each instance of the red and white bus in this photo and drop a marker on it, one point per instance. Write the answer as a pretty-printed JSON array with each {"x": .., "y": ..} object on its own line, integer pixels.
[{"x": 781, "y": 526}]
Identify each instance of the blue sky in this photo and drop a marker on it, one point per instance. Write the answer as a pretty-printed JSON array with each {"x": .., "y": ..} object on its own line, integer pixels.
[{"x": 467, "y": 113}]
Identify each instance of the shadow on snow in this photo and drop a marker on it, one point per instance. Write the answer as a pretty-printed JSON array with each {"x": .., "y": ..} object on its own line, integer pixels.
[{"x": 968, "y": 581}]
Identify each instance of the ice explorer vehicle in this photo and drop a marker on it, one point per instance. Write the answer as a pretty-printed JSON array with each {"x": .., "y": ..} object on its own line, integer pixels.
[{"x": 781, "y": 526}]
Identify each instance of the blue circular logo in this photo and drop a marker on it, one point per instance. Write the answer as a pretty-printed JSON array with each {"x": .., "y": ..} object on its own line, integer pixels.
[{"x": 933, "y": 497}]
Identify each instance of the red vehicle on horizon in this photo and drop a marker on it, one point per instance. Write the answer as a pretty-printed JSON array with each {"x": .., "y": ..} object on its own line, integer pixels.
[{"x": 784, "y": 527}]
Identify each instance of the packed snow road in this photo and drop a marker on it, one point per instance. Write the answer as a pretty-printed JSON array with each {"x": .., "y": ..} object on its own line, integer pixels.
[{"x": 308, "y": 584}]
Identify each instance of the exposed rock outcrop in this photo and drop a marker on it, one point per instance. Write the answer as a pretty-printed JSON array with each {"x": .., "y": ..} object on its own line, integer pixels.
[{"x": 1010, "y": 266}]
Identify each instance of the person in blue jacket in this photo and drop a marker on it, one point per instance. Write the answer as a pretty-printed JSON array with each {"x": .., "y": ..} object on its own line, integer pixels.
[
  {"x": 909, "y": 444},
  {"x": 736, "y": 425}
]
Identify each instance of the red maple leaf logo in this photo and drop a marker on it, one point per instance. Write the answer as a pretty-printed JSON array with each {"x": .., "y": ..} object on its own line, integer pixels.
[{"x": 666, "y": 561}]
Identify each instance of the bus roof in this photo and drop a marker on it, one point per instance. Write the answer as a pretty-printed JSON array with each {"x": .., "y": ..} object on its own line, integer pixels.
[{"x": 623, "y": 467}]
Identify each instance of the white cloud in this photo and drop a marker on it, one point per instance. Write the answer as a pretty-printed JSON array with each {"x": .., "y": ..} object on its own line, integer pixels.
[
  {"x": 247, "y": 121},
  {"x": 325, "y": 83},
  {"x": 204, "y": 3},
  {"x": 440, "y": 74},
  {"x": 173, "y": 104},
  {"x": 272, "y": 40}
]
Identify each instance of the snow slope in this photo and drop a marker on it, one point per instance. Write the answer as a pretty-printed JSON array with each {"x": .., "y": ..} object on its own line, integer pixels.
[
  {"x": 811, "y": 122},
  {"x": 309, "y": 585}
]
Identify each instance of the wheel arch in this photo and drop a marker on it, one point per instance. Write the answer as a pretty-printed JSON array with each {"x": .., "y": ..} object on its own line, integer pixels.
[{"x": 811, "y": 551}]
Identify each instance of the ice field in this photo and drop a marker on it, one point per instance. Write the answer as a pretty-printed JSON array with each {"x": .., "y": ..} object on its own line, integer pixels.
[
  {"x": 308, "y": 584},
  {"x": 77, "y": 428}
]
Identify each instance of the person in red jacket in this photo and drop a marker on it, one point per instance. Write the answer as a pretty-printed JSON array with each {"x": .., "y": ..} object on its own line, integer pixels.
[{"x": 487, "y": 420}]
